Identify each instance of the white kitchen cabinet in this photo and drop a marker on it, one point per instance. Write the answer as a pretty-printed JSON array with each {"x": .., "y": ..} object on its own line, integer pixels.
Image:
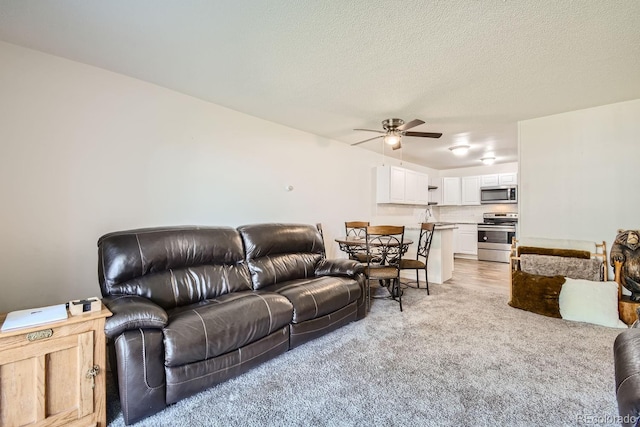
[
  {"x": 390, "y": 186},
  {"x": 402, "y": 186},
  {"x": 397, "y": 185},
  {"x": 489, "y": 180},
  {"x": 470, "y": 190},
  {"x": 451, "y": 191},
  {"x": 508, "y": 179},
  {"x": 416, "y": 190},
  {"x": 466, "y": 239},
  {"x": 497, "y": 179},
  {"x": 423, "y": 189}
]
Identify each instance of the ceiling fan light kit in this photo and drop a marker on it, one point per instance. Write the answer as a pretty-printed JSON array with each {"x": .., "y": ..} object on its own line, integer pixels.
[
  {"x": 392, "y": 138},
  {"x": 395, "y": 129}
]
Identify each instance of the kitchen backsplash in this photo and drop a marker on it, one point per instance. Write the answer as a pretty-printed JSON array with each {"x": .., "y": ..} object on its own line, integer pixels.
[
  {"x": 471, "y": 214},
  {"x": 406, "y": 215}
]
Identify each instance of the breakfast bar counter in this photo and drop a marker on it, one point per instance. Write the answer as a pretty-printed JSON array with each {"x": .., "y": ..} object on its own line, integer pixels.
[{"x": 440, "y": 264}]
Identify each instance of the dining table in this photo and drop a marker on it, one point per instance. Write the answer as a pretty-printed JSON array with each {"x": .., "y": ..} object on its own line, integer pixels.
[{"x": 355, "y": 244}]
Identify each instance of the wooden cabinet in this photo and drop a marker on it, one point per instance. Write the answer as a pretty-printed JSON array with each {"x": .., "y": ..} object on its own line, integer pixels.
[
  {"x": 402, "y": 186},
  {"x": 54, "y": 374},
  {"x": 470, "y": 190},
  {"x": 450, "y": 191}
]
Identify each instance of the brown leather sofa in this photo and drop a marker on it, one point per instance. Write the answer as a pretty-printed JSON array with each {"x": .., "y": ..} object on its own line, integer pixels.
[
  {"x": 195, "y": 306},
  {"x": 626, "y": 352}
]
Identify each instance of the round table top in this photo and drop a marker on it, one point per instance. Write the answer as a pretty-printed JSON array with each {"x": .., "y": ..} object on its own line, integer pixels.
[{"x": 359, "y": 241}]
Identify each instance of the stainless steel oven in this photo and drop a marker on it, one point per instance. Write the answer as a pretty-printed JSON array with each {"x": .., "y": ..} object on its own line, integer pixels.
[{"x": 495, "y": 235}]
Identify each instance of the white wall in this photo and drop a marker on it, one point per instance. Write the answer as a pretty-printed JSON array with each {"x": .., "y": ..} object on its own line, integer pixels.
[
  {"x": 84, "y": 151},
  {"x": 579, "y": 174}
]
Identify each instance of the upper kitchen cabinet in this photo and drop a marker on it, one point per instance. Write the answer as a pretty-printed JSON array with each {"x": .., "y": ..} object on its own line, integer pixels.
[
  {"x": 402, "y": 186},
  {"x": 451, "y": 191},
  {"x": 495, "y": 180},
  {"x": 470, "y": 190},
  {"x": 507, "y": 179},
  {"x": 416, "y": 189}
]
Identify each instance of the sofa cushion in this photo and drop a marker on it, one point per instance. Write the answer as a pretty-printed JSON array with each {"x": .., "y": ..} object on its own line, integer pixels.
[
  {"x": 269, "y": 270},
  {"x": 277, "y": 253},
  {"x": 216, "y": 326},
  {"x": 173, "y": 266},
  {"x": 316, "y": 297}
]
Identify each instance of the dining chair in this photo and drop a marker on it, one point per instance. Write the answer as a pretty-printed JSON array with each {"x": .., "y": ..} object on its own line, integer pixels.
[
  {"x": 424, "y": 246},
  {"x": 385, "y": 246},
  {"x": 357, "y": 229}
]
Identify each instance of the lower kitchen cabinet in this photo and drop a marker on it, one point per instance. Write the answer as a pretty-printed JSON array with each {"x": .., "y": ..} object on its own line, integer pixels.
[{"x": 466, "y": 240}]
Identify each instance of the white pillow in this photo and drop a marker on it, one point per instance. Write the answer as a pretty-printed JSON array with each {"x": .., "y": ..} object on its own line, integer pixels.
[{"x": 591, "y": 302}]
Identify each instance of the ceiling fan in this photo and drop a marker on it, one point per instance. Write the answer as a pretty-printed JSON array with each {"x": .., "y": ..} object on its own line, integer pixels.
[{"x": 395, "y": 129}]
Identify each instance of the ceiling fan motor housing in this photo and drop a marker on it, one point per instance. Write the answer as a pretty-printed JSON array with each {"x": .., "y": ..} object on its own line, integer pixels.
[
  {"x": 395, "y": 129},
  {"x": 391, "y": 124}
]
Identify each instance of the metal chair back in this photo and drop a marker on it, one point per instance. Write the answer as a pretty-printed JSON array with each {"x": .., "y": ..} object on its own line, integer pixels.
[
  {"x": 424, "y": 246},
  {"x": 424, "y": 243},
  {"x": 356, "y": 228},
  {"x": 385, "y": 247}
]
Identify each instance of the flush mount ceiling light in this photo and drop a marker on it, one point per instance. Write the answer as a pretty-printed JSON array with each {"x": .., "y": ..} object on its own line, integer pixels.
[
  {"x": 460, "y": 150},
  {"x": 488, "y": 160}
]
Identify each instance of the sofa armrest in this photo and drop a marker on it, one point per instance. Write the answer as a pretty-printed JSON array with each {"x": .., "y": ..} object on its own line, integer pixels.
[
  {"x": 339, "y": 267},
  {"x": 626, "y": 350},
  {"x": 132, "y": 312}
]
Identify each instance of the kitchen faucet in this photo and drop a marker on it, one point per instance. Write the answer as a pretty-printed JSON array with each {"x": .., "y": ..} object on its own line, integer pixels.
[{"x": 427, "y": 214}]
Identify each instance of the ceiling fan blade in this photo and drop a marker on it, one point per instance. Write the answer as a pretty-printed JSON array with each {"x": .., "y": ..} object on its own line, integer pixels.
[
  {"x": 371, "y": 130},
  {"x": 397, "y": 146},
  {"x": 411, "y": 124},
  {"x": 424, "y": 134},
  {"x": 370, "y": 139}
]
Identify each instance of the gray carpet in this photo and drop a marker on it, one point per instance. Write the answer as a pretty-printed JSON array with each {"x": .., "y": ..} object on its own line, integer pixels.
[{"x": 459, "y": 357}]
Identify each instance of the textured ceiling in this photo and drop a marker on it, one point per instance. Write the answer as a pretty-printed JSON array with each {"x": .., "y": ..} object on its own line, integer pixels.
[{"x": 469, "y": 68}]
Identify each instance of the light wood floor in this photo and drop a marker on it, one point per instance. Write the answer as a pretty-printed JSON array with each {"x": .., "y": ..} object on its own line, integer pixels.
[{"x": 480, "y": 273}]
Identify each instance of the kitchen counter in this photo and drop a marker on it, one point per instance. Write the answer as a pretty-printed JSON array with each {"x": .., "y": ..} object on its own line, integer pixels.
[
  {"x": 439, "y": 226},
  {"x": 440, "y": 264}
]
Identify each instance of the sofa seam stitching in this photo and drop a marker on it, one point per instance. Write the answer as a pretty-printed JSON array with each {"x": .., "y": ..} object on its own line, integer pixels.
[
  {"x": 206, "y": 336},
  {"x": 141, "y": 256}
]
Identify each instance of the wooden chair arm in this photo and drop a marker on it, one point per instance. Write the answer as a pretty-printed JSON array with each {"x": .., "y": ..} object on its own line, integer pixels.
[{"x": 617, "y": 276}]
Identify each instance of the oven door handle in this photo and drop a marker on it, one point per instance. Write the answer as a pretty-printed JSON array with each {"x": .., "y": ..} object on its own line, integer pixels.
[{"x": 496, "y": 228}]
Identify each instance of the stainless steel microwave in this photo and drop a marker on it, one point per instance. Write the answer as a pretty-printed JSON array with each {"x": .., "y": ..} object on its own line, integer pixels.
[{"x": 502, "y": 194}]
